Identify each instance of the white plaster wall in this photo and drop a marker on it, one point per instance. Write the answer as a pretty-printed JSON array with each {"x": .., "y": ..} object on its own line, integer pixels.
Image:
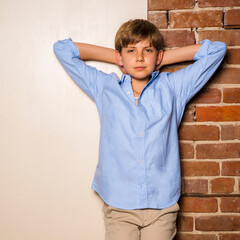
[{"x": 49, "y": 129}]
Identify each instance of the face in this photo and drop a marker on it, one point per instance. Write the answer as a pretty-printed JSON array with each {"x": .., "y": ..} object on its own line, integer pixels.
[{"x": 139, "y": 60}]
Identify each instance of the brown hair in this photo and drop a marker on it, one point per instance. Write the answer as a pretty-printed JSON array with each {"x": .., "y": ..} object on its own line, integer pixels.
[{"x": 136, "y": 30}]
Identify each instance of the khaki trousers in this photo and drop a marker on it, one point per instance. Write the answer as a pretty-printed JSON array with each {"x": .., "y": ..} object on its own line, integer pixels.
[{"x": 144, "y": 224}]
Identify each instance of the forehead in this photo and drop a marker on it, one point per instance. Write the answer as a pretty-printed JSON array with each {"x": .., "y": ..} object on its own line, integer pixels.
[{"x": 142, "y": 43}]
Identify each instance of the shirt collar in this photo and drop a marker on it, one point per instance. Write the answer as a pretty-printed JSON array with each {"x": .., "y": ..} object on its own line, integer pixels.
[
  {"x": 127, "y": 78},
  {"x": 155, "y": 74}
]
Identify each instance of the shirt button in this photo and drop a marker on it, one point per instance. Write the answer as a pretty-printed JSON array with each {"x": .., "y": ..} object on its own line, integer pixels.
[
  {"x": 140, "y": 134},
  {"x": 140, "y": 160},
  {"x": 128, "y": 92}
]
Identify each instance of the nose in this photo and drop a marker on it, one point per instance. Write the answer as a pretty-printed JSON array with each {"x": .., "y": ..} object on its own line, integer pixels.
[{"x": 139, "y": 57}]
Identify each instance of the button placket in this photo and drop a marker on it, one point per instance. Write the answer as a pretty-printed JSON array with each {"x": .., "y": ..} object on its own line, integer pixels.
[
  {"x": 127, "y": 88},
  {"x": 140, "y": 156}
]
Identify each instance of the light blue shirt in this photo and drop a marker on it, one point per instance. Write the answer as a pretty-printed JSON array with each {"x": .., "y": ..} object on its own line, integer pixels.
[{"x": 139, "y": 164}]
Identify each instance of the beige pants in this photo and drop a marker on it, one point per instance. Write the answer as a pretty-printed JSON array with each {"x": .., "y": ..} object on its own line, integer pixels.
[{"x": 144, "y": 224}]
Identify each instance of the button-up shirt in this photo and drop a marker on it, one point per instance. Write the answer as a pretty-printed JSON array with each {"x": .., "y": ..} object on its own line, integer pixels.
[{"x": 138, "y": 165}]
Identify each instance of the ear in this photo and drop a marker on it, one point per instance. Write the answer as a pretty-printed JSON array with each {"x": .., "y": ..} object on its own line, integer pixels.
[
  {"x": 118, "y": 58},
  {"x": 159, "y": 57},
  {"x": 119, "y": 61}
]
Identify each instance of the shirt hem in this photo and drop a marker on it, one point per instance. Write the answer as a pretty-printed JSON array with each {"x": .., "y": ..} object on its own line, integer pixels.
[{"x": 119, "y": 206}]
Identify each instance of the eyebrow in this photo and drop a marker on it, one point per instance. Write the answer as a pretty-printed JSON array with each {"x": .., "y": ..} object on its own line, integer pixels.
[{"x": 135, "y": 47}]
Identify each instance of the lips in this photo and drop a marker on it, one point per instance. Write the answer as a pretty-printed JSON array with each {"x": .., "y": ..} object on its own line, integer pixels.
[{"x": 140, "y": 68}]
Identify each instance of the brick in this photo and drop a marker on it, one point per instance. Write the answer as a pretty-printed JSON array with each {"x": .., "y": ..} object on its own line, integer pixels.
[
  {"x": 231, "y": 168},
  {"x": 189, "y": 236},
  {"x": 232, "y": 18},
  {"x": 230, "y": 204},
  {"x": 218, "y": 114},
  {"x": 231, "y": 38},
  {"x": 230, "y": 132},
  {"x": 198, "y": 132},
  {"x": 239, "y": 185},
  {"x": 218, "y": 223},
  {"x": 159, "y": 19},
  {"x": 196, "y": 168},
  {"x": 189, "y": 114},
  {"x": 178, "y": 38},
  {"x": 226, "y": 76},
  {"x": 218, "y": 151},
  {"x": 184, "y": 223},
  {"x": 208, "y": 95},
  {"x": 186, "y": 150},
  {"x": 198, "y": 205},
  {"x": 196, "y": 19},
  {"x": 218, "y": 3},
  {"x": 231, "y": 95},
  {"x": 222, "y": 185},
  {"x": 167, "y": 5},
  {"x": 233, "y": 56},
  {"x": 199, "y": 186},
  {"x": 229, "y": 236}
]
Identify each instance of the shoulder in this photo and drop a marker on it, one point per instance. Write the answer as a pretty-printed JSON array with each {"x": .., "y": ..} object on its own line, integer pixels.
[{"x": 163, "y": 80}]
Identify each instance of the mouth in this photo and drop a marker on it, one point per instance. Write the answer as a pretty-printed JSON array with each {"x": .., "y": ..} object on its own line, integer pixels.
[{"x": 140, "y": 68}]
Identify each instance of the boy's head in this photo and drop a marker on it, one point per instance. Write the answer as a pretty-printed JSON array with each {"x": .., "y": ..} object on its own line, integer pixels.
[
  {"x": 134, "y": 31},
  {"x": 138, "y": 46}
]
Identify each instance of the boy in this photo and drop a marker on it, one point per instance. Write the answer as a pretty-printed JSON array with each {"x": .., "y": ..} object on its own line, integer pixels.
[{"x": 138, "y": 172}]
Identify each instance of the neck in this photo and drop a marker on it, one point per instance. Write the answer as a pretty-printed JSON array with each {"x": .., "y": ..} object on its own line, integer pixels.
[{"x": 138, "y": 85}]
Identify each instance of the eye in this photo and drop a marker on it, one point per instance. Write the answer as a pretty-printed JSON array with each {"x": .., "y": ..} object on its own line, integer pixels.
[
  {"x": 130, "y": 50},
  {"x": 148, "y": 50}
]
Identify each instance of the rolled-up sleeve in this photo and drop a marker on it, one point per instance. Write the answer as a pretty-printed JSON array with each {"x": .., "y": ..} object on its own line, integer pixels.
[
  {"x": 188, "y": 81},
  {"x": 88, "y": 78}
]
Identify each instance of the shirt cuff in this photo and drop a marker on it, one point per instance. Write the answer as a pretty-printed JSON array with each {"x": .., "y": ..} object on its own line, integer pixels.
[
  {"x": 73, "y": 47},
  {"x": 68, "y": 45},
  {"x": 203, "y": 50}
]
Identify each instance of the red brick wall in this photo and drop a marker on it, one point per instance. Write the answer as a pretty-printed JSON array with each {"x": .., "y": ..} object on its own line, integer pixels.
[{"x": 210, "y": 131}]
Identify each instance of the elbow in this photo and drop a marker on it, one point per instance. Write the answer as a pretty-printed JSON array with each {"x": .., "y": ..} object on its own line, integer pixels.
[
  {"x": 220, "y": 48},
  {"x": 223, "y": 47},
  {"x": 65, "y": 49},
  {"x": 57, "y": 48}
]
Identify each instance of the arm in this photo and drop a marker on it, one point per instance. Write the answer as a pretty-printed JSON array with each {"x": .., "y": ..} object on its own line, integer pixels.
[
  {"x": 177, "y": 55},
  {"x": 88, "y": 78},
  {"x": 103, "y": 54},
  {"x": 187, "y": 81},
  {"x": 96, "y": 53}
]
